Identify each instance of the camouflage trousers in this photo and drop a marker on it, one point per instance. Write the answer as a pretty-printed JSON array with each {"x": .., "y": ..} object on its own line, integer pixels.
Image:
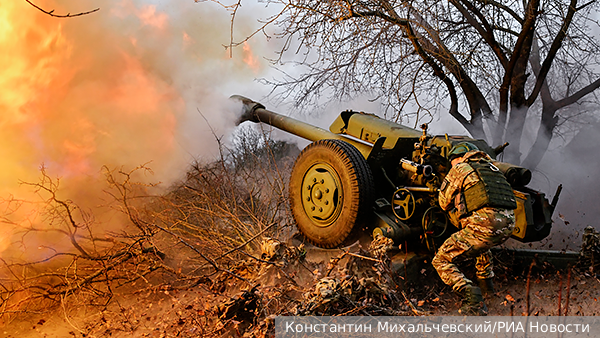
[{"x": 482, "y": 230}]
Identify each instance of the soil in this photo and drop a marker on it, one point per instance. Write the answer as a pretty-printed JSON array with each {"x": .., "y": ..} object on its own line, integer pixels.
[{"x": 165, "y": 311}]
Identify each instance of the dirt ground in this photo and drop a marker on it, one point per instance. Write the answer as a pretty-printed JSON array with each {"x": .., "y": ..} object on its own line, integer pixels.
[
  {"x": 225, "y": 307},
  {"x": 548, "y": 288}
]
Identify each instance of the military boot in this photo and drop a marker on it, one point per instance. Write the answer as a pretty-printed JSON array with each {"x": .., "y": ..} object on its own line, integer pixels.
[
  {"x": 487, "y": 286},
  {"x": 472, "y": 304}
]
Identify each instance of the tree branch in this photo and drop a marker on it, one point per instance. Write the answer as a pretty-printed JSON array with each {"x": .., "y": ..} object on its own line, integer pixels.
[
  {"x": 68, "y": 15},
  {"x": 527, "y": 30},
  {"x": 556, "y": 44},
  {"x": 579, "y": 94},
  {"x": 437, "y": 70},
  {"x": 484, "y": 29},
  {"x": 504, "y": 8},
  {"x": 478, "y": 105}
]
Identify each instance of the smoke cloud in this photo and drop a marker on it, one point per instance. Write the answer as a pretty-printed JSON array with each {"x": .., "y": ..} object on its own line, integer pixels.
[
  {"x": 136, "y": 82},
  {"x": 574, "y": 164}
]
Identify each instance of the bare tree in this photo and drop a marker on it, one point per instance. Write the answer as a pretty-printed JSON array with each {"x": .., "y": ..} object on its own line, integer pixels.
[{"x": 491, "y": 64}]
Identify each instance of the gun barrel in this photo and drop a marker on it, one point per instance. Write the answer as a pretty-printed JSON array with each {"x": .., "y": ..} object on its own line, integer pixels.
[{"x": 256, "y": 112}]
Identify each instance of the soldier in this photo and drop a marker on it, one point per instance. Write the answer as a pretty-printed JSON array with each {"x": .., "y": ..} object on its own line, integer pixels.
[{"x": 477, "y": 194}]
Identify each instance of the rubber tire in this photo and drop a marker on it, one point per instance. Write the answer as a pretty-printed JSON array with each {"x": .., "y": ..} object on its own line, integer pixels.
[{"x": 357, "y": 186}]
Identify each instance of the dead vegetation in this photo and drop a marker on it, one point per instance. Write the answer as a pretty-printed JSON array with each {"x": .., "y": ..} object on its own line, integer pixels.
[
  {"x": 84, "y": 265},
  {"x": 194, "y": 234},
  {"x": 214, "y": 256}
]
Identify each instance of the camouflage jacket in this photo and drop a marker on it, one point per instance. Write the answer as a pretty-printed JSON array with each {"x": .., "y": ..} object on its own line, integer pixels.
[{"x": 460, "y": 177}]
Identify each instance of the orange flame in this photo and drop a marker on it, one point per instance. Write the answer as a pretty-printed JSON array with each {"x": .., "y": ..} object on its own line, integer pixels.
[
  {"x": 75, "y": 98},
  {"x": 249, "y": 58},
  {"x": 111, "y": 88},
  {"x": 73, "y": 107}
]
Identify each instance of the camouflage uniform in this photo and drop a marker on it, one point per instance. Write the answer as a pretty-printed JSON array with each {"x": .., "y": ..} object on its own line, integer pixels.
[{"x": 481, "y": 229}]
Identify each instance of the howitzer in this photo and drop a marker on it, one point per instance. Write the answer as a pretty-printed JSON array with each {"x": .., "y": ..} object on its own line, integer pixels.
[{"x": 369, "y": 174}]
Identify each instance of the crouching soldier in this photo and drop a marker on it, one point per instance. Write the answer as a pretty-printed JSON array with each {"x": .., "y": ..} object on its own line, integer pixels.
[{"x": 477, "y": 193}]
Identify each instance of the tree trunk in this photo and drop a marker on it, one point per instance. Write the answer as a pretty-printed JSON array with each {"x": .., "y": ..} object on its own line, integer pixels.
[
  {"x": 514, "y": 131},
  {"x": 542, "y": 141}
]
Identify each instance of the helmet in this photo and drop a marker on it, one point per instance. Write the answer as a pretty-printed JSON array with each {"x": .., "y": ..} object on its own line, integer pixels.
[{"x": 461, "y": 149}]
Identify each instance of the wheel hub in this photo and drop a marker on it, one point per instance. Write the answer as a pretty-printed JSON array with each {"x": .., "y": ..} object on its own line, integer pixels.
[
  {"x": 403, "y": 203},
  {"x": 321, "y": 194}
]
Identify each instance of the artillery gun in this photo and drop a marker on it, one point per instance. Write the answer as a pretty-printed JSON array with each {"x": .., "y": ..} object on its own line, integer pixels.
[{"x": 367, "y": 174}]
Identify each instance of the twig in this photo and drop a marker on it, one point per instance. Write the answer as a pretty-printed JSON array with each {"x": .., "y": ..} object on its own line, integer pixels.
[
  {"x": 62, "y": 302},
  {"x": 412, "y": 307},
  {"x": 363, "y": 257},
  {"x": 559, "y": 294},
  {"x": 346, "y": 252},
  {"x": 212, "y": 262},
  {"x": 356, "y": 309},
  {"x": 235, "y": 8},
  {"x": 528, "y": 286},
  {"x": 568, "y": 295},
  {"x": 68, "y": 15},
  {"x": 405, "y": 259}
]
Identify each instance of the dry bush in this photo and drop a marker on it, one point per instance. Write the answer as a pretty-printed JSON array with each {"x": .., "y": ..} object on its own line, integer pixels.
[
  {"x": 86, "y": 264},
  {"x": 224, "y": 207},
  {"x": 180, "y": 238}
]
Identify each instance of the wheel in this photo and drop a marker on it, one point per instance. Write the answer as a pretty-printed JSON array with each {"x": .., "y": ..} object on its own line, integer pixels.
[
  {"x": 403, "y": 204},
  {"x": 435, "y": 223},
  {"x": 330, "y": 192}
]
